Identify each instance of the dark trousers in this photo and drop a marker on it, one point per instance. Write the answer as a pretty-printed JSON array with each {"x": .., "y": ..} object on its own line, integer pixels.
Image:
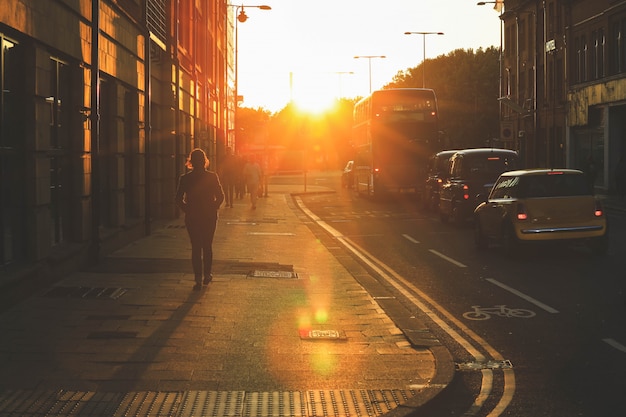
[
  {"x": 229, "y": 192},
  {"x": 201, "y": 235}
]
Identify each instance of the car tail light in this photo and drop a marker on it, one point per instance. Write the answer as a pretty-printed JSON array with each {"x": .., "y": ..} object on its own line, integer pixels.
[
  {"x": 466, "y": 192},
  {"x": 598, "y": 211},
  {"x": 521, "y": 212}
]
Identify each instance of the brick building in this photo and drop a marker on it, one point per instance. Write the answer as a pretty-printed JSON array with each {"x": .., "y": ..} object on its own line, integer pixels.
[
  {"x": 563, "y": 84},
  {"x": 85, "y": 170}
]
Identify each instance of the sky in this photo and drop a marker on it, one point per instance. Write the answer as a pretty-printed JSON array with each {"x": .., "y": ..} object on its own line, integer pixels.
[{"x": 303, "y": 50}]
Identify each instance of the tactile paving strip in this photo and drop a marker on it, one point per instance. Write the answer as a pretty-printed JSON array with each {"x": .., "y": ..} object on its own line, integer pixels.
[{"x": 322, "y": 403}]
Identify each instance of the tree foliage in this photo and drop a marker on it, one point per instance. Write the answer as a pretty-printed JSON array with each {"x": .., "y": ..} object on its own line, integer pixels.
[{"x": 466, "y": 84}]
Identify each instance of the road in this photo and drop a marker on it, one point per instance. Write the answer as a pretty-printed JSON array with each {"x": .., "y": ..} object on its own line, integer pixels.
[{"x": 554, "y": 343}]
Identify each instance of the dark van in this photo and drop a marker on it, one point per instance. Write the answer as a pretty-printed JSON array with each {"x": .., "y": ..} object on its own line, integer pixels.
[
  {"x": 438, "y": 171},
  {"x": 472, "y": 172}
]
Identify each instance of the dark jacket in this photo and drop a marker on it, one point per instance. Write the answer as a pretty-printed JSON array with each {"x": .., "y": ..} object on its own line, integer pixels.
[{"x": 199, "y": 194}]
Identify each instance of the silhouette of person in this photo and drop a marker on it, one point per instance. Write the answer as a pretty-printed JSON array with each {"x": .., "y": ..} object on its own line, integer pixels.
[
  {"x": 252, "y": 173},
  {"x": 199, "y": 196},
  {"x": 240, "y": 184},
  {"x": 228, "y": 177}
]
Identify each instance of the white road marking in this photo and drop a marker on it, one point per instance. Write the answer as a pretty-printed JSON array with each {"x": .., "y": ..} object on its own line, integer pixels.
[
  {"x": 427, "y": 305},
  {"x": 614, "y": 343},
  {"x": 452, "y": 261},
  {"x": 524, "y": 296},
  {"x": 410, "y": 239}
]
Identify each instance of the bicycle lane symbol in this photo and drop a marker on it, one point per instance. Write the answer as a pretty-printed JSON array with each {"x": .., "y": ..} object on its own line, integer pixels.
[{"x": 485, "y": 313}]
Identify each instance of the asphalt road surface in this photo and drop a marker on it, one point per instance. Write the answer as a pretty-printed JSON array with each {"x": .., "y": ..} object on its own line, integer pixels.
[{"x": 540, "y": 333}]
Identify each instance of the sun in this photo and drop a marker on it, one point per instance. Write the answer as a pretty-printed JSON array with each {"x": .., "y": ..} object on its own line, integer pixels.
[{"x": 315, "y": 104}]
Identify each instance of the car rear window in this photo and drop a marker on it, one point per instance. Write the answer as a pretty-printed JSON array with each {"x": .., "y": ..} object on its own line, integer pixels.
[
  {"x": 490, "y": 166},
  {"x": 553, "y": 185}
]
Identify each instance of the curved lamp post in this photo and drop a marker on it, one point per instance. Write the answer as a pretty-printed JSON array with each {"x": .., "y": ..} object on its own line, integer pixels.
[
  {"x": 424, "y": 47},
  {"x": 241, "y": 17},
  {"x": 369, "y": 58}
]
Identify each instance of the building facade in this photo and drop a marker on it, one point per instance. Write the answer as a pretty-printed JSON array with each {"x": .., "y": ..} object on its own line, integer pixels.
[
  {"x": 101, "y": 102},
  {"x": 597, "y": 89},
  {"x": 563, "y": 84}
]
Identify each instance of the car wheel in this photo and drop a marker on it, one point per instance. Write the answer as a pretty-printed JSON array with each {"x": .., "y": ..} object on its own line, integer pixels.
[
  {"x": 510, "y": 243},
  {"x": 479, "y": 238},
  {"x": 599, "y": 245}
]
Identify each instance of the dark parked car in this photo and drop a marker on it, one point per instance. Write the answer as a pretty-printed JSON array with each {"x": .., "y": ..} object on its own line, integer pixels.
[
  {"x": 347, "y": 176},
  {"x": 438, "y": 172},
  {"x": 472, "y": 172},
  {"x": 541, "y": 205}
]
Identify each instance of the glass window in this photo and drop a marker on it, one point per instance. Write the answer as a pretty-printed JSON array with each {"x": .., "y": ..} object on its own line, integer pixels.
[
  {"x": 505, "y": 188},
  {"x": 554, "y": 185},
  {"x": 59, "y": 141},
  {"x": 12, "y": 219}
]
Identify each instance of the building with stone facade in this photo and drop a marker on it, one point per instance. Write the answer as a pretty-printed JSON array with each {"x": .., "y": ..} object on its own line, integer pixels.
[
  {"x": 100, "y": 103},
  {"x": 563, "y": 84}
]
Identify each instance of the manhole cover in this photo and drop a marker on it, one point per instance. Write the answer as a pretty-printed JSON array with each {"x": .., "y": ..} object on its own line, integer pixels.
[
  {"x": 273, "y": 274},
  {"x": 322, "y": 334}
]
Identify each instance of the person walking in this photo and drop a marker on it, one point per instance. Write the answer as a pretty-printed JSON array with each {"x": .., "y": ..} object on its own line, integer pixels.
[
  {"x": 199, "y": 195},
  {"x": 252, "y": 174},
  {"x": 228, "y": 177},
  {"x": 240, "y": 183}
]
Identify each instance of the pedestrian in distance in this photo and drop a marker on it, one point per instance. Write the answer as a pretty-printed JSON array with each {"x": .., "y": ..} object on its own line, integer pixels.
[
  {"x": 228, "y": 177},
  {"x": 199, "y": 196},
  {"x": 240, "y": 184},
  {"x": 252, "y": 174}
]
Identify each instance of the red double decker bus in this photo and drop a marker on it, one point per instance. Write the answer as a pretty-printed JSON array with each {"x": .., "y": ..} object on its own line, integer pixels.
[{"x": 394, "y": 133}]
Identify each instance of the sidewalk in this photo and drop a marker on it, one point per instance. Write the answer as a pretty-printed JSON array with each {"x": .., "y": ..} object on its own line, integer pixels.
[{"x": 284, "y": 329}]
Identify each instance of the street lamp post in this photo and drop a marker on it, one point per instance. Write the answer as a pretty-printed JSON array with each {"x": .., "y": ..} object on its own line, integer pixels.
[
  {"x": 339, "y": 74},
  {"x": 498, "y": 5},
  {"x": 369, "y": 58},
  {"x": 424, "y": 47},
  {"x": 241, "y": 16}
]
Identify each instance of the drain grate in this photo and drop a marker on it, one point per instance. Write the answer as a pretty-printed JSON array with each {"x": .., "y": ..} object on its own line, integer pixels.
[
  {"x": 86, "y": 292},
  {"x": 314, "y": 403},
  {"x": 323, "y": 335},
  {"x": 477, "y": 366},
  {"x": 273, "y": 274}
]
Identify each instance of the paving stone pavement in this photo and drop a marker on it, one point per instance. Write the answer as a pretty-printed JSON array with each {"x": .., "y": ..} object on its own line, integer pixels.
[{"x": 283, "y": 329}]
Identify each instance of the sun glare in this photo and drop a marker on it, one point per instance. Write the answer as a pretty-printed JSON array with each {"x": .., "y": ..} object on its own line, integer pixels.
[{"x": 315, "y": 104}]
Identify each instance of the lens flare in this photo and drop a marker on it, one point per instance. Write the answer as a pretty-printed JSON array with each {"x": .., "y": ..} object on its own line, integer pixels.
[{"x": 321, "y": 315}]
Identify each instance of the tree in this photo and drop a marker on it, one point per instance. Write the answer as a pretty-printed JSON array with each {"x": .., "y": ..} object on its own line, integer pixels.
[{"x": 466, "y": 84}]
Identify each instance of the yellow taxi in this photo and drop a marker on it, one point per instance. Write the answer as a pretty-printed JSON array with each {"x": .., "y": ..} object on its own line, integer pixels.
[{"x": 539, "y": 205}]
